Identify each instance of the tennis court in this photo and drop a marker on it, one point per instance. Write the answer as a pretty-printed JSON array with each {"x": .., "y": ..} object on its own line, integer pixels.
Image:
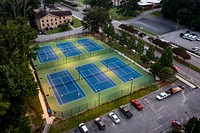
[
  {"x": 65, "y": 87},
  {"x": 68, "y": 49},
  {"x": 122, "y": 70},
  {"x": 95, "y": 78},
  {"x": 46, "y": 54},
  {"x": 89, "y": 45}
]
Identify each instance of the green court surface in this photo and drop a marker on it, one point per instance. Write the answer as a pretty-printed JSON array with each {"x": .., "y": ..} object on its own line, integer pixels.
[{"x": 91, "y": 99}]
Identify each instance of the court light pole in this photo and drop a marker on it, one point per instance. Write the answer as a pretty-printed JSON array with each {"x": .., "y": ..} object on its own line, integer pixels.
[
  {"x": 131, "y": 79},
  {"x": 178, "y": 20},
  {"x": 99, "y": 97}
]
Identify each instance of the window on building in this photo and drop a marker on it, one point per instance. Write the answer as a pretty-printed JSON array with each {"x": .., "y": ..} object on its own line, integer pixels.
[
  {"x": 56, "y": 23},
  {"x": 47, "y": 24},
  {"x": 51, "y": 19},
  {"x": 47, "y": 20},
  {"x": 59, "y": 17},
  {"x": 42, "y": 20},
  {"x": 63, "y": 17},
  {"x": 55, "y": 19},
  {"x": 60, "y": 22},
  {"x": 64, "y": 20},
  {"x": 51, "y": 23},
  {"x": 43, "y": 25}
]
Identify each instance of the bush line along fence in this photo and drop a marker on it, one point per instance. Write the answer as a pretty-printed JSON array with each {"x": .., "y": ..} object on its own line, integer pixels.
[
  {"x": 72, "y": 59},
  {"x": 102, "y": 98}
]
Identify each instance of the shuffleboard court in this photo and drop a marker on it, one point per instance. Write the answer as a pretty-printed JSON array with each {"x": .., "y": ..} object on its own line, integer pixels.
[
  {"x": 95, "y": 78},
  {"x": 89, "y": 45},
  {"x": 68, "y": 49},
  {"x": 64, "y": 86},
  {"x": 46, "y": 54},
  {"x": 122, "y": 70}
]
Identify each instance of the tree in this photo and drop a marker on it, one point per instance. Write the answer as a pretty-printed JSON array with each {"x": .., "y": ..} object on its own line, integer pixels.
[
  {"x": 184, "y": 10},
  {"x": 192, "y": 126},
  {"x": 107, "y": 4},
  {"x": 109, "y": 30},
  {"x": 167, "y": 57},
  {"x": 17, "y": 81},
  {"x": 127, "y": 7},
  {"x": 63, "y": 26},
  {"x": 10, "y": 9},
  {"x": 144, "y": 59},
  {"x": 166, "y": 73},
  {"x": 150, "y": 53},
  {"x": 181, "y": 52},
  {"x": 96, "y": 19},
  {"x": 140, "y": 48},
  {"x": 156, "y": 67}
]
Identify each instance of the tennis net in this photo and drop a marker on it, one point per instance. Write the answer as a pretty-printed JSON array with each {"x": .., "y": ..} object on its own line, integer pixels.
[
  {"x": 100, "y": 72},
  {"x": 62, "y": 83}
]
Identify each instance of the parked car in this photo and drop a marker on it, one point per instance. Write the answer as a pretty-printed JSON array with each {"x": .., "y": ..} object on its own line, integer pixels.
[
  {"x": 114, "y": 117},
  {"x": 186, "y": 35},
  {"x": 198, "y": 39},
  {"x": 175, "y": 68},
  {"x": 136, "y": 104},
  {"x": 99, "y": 123},
  {"x": 195, "y": 49},
  {"x": 83, "y": 128},
  {"x": 163, "y": 95},
  {"x": 193, "y": 38},
  {"x": 176, "y": 124},
  {"x": 126, "y": 111},
  {"x": 189, "y": 36}
]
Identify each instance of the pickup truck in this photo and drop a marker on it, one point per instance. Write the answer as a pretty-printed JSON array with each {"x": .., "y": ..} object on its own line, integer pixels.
[
  {"x": 126, "y": 111},
  {"x": 168, "y": 93},
  {"x": 175, "y": 90}
]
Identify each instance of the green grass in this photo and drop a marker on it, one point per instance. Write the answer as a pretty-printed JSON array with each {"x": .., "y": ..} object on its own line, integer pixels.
[
  {"x": 35, "y": 112},
  {"x": 57, "y": 30},
  {"x": 115, "y": 16},
  {"x": 77, "y": 22},
  {"x": 80, "y": 1},
  {"x": 157, "y": 13},
  {"x": 72, "y": 122},
  {"x": 144, "y": 30}
]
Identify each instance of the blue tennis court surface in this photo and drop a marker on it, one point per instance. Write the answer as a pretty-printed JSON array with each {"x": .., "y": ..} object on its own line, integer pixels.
[
  {"x": 64, "y": 86},
  {"x": 69, "y": 49},
  {"x": 122, "y": 70},
  {"x": 46, "y": 54},
  {"x": 95, "y": 78},
  {"x": 89, "y": 45}
]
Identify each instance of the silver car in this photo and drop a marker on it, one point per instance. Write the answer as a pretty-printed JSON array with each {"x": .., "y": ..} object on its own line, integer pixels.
[{"x": 114, "y": 117}]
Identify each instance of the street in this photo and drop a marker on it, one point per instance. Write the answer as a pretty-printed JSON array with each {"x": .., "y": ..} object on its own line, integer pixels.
[{"x": 156, "y": 117}]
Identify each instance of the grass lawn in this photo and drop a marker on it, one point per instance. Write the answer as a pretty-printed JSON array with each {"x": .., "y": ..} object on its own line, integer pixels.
[
  {"x": 77, "y": 22},
  {"x": 35, "y": 112},
  {"x": 115, "y": 16},
  {"x": 144, "y": 30},
  {"x": 57, "y": 30},
  {"x": 157, "y": 13},
  {"x": 72, "y": 122}
]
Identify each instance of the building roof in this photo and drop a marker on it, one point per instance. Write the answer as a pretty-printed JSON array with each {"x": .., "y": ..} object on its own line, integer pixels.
[
  {"x": 43, "y": 13},
  {"x": 148, "y": 2}
]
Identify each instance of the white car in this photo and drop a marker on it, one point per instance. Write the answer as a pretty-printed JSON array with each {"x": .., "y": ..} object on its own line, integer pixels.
[
  {"x": 114, "y": 117},
  {"x": 162, "y": 95},
  {"x": 195, "y": 49},
  {"x": 83, "y": 128},
  {"x": 193, "y": 38},
  {"x": 186, "y": 35}
]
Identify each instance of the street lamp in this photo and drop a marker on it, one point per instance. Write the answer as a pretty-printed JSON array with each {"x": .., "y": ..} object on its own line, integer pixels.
[
  {"x": 107, "y": 62},
  {"x": 178, "y": 20},
  {"x": 98, "y": 92},
  {"x": 131, "y": 79}
]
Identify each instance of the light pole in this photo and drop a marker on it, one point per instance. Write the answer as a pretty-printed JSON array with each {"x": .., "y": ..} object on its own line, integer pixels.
[
  {"x": 178, "y": 20},
  {"x": 188, "y": 71},
  {"x": 99, "y": 97},
  {"x": 107, "y": 63},
  {"x": 131, "y": 79}
]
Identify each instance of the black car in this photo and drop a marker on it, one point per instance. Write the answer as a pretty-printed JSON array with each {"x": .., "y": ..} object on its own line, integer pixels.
[
  {"x": 126, "y": 111},
  {"x": 99, "y": 123}
]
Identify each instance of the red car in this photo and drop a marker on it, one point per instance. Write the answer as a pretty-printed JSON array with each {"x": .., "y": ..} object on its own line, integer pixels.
[
  {"x": 136, "y": 104},
  {"x": 176, "y": 68},
  {"x": 176, "y": 124}
]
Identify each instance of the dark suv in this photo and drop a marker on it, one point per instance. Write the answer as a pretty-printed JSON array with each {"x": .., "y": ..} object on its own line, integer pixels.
[
  {"x": 99, "y": 123},
  {"x": 126, "y": 111}
]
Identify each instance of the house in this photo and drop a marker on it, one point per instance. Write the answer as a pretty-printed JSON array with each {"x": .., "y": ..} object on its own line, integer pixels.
[
  {"x": 116, "y": 2},
  {"x": 47, "y": 20}
]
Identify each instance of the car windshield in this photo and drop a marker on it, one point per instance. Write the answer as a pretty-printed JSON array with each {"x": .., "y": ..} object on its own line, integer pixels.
[{"x": 114, "y": 117}]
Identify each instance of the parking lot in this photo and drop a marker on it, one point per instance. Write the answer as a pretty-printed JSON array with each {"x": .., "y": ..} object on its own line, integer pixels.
[
  {"x": 156, "y": 117},
  {"x": 175, "y": 38}
]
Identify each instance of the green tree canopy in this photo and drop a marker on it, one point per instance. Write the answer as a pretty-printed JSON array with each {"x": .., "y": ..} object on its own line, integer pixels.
[
  {"x": 127, "y": 7},
  {"x": 150, "y": 53},
  {"x": 95, "y": 19},
  {"x": 167, "y": 57},
  {"x": 107, "y": 4},
  {"x": 186, "y": 11}
]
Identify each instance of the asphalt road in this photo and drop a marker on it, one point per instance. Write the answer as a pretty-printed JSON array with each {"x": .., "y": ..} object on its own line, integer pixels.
[{"x": 156, "y": 117}]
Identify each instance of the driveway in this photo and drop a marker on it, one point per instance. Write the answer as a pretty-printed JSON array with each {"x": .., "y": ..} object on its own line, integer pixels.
[{"x": 156, "y": 117}]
